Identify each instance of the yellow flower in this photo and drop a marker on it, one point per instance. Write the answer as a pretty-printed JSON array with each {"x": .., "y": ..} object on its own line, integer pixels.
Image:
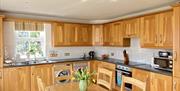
[{"x": 73, "y": 78}]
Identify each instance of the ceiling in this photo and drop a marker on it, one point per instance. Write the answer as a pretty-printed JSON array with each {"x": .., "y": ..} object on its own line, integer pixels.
[{"x": 86, "y": 10}]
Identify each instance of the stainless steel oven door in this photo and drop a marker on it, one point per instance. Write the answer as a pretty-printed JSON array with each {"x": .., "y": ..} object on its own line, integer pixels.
[{"x": 119, "y": 74}]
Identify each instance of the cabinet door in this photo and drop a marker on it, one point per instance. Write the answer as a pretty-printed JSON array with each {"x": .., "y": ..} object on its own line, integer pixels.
[
  {"x": 94, "y": 68},
  {"x": 84, "y": 35},
  {"x": 176, "y": 84},
  {"x": 117, "y": 34},
  {"x": 143, "y": 76},
  {"x": 17, "y": 79},
  {"x": 1, "y": 43},
  {"x": 58, "y": 35},
  {"x": 1, "y": 79},
  {"x": 97, "y": 34},
  {"x": 69, "y": 34},
  {"x": 45, "y": 72},
  {"x": 107, "y": 34},
  {"x": 176, "y": 42},
  {"x": 160, "y": 82},
  {"x": 149, "y": 32},
  {"x": 166, "y": 29},
  {"x": 132, "y": 27}
]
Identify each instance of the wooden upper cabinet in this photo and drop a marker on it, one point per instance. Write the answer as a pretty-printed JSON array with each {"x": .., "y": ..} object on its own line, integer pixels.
[
  {"x": 149, "y": 31},
  {"x": 17, "y": 79},
  {"x": 176, "y": 42},
  {"x": 176, "y": 84},
  {"x": 143, "y": 76},
  {"x": 83, "y": 35},
  {"x": 45, "y": 72},
  {"x": 1, "y": 42},
  {"x": 106, "y": 34},
  {"x": 117, "y": 35},
  {"x": 161, "y": 82},
  {"x": 132, "y": 27},
  {"x": 97, "y": 35},
  {"x": 57, "y": 34},
  {"x": 165, "y": 29}
]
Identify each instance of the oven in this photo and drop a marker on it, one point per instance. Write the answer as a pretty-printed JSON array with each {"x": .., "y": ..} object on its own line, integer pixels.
[{"x": 123, "y": 70}]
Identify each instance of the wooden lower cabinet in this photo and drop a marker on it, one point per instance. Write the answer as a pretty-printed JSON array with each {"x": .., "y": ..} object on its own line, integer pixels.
[
  {"x": 176, "y": 84},
  {"x": 1, "y": 79},
  {"x": 17, "y": 79},
  {"x": 161, "y": 82},
  {"x": 143, "y": 76},
  {"x": 45, "y": 72}
]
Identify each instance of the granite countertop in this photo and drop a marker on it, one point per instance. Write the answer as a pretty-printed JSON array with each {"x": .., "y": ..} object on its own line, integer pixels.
[{"x": 137, "y": 65}]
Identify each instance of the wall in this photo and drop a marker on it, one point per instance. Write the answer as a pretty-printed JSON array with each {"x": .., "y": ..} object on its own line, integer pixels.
[{"x": 136, "y": 53}]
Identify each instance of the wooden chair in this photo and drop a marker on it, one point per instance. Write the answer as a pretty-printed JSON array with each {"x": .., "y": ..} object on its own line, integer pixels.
[
  {"x": 103, "y": 82},
  {"x": 41, "y": 85},
  {"x": 133, "y": 81}
]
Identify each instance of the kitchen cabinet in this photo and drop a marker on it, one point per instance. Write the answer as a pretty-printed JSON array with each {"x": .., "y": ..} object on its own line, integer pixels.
[
  {"x": 106, "y": 34},
  {"x": 160, "y": 82},
  {"x": 1, "y": 79},
  {"x": 97, "y": 31},
  {"x": 1, "y": 42},
  {"x": 69, "y": 34},
  {"x": 117, "y": 35},
  {"x": 165, "y": 27},
  {"x": 17, "y": 79},
  {"x": 58, "y": 35},
  {"x": 84, "y": 35},
  {"x": 156, "y": 30},
  {"x": 132, "y": 27},
  {"x": 176, "y": 42},
  {"x": 143, "y": 76},
  {"x": 94, "y": 68},
  {"x": 148, "y": 31},
  {"x": 45, "y": 72},
  {"x": 176, "y": 84}
]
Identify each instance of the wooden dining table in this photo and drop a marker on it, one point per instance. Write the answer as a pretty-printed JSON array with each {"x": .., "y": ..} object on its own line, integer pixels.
[{"x": 74, "y": 86}]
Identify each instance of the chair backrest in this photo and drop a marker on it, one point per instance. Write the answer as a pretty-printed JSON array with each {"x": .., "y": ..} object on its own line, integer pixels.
[
  {"x": 133, "y": 81},
  {"x": 41, "y": 85},
  {"x": 104, "y": 82}
]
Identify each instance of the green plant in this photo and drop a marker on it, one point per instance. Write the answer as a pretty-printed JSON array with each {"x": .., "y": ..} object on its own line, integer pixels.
[{"x": 83, "y": 74}]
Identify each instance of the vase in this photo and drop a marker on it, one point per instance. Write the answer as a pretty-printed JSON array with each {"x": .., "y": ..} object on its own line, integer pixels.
[{"x": 83, "y": 85}]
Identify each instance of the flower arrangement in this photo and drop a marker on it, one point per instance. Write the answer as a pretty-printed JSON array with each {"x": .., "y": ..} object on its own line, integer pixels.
[{"x": 84, "y": 78}]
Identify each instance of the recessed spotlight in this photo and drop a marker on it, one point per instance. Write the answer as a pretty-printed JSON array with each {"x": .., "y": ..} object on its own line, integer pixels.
[
  {"x": 84, "y": 0},
  {"x": 114, "y": 0}
]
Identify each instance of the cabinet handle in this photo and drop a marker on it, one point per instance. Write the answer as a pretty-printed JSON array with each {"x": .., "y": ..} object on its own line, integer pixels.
[
  {"x": 0, "y": 75},
  {"x": 174, "y": 56},
  {"x": 161, "y": 40},
  {"x": 156, "y": 38},
  {"x": 174, "y": 86}
]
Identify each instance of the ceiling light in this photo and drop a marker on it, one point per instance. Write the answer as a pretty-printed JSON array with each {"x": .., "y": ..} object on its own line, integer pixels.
[{"x": 83, "y": 0}]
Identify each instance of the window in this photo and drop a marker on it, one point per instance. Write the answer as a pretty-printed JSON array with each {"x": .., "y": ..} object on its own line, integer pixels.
[{"x": 30, "y": 44}]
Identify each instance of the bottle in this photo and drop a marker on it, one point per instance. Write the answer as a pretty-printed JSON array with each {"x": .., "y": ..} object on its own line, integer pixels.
[{"x": 126, "y": 57}]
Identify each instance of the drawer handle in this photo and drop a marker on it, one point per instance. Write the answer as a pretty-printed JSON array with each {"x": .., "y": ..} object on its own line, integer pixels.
[{"x": 174, "y": 56}]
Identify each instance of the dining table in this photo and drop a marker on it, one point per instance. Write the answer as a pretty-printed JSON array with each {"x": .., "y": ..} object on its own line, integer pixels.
[{"x": 74, "y": 86}]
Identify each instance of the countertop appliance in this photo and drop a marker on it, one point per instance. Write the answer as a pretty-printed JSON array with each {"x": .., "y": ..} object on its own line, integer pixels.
[
  {"x": 123, "y": 70},
  {"x": 91, "y": 54},
  {"x": 165, "y": 54},
  {"x": 162, "y": 63}
]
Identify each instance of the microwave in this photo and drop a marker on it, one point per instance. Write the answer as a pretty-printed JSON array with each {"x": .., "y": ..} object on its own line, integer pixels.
[{"x": 162, "y": 63}]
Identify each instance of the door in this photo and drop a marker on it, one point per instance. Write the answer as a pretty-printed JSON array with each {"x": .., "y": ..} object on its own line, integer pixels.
[
  {"x": 117, "y": 34},
  {"x": 84, "y": 35},
  {"x": 58, "y": 35},
  {"x": 149, "y": 33},
  {"x": 176, "y": 42},
  {"x": 176, "y": 84},
  {"x": 132, "y": 27},
  {"x": 1, "y": 43},
  {"x": 107, "y": 34},
  {"x": 1, "y": 79},
  {"x": 143, "y": 76},
  {"x": 97, "y": 35},
  {"x": 160, "y": 82},
  {"x": 17, "y": 79},
  {"x": 165, "y": 30},
  {"x": 45, "y": 72}
]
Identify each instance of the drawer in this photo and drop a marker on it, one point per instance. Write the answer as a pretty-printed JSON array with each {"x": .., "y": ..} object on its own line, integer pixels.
[{"x": 107, "y": 65}]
